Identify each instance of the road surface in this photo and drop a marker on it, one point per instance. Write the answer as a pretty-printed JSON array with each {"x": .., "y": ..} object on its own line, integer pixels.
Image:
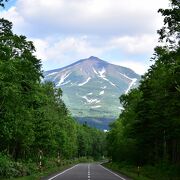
[{"x": 86, "y": 172}]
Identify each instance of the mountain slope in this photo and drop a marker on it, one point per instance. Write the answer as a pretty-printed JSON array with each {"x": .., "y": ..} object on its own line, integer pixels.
[{"x": 91, "y": 87}]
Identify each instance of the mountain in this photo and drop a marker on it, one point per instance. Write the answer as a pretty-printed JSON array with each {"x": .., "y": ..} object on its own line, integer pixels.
[{"x": 92, "y": 87}]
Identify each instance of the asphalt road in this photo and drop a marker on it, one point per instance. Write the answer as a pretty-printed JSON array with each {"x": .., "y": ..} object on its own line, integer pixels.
[{"x": 86, "y": 172}]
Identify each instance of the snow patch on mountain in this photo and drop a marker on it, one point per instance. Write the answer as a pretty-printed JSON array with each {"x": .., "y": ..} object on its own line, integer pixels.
[
  {"x": 102, "y": 73},
  {"x": 88, "y": 79},
  {"x": 109, "y": 81},
  {"x": 126, "y": 76},
  {"x": 104, "y": 87},
  {"x": 94, "y": 107},
  {"x": 91, "y": 101},
  {"x": 121, "y": 108},
  {"x": 66, "y": 83},
  {"x": 63, "y": 78},
  {"x": 90, "y": 94},
  {"x": 131, "y": 84},
  {"x": 101, "y": 93},
  {"x": 95, "y": 71},
  {"x": 53, "y": 73}
]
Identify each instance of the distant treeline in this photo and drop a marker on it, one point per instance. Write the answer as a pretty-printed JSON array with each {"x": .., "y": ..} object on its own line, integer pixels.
[
  {"x": 34, "y": 120},
  {"x": 101, "y": 123},
  {"x": 147, "y": 131}
]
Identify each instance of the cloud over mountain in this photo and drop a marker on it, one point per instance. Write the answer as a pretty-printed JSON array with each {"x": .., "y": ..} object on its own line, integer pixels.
[
  {"x": 64, "y": 30},
  {"x": 108, "y": 17}
]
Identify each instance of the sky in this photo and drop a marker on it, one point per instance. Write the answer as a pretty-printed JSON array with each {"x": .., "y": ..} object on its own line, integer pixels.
[{"x": 122, "y": 32}]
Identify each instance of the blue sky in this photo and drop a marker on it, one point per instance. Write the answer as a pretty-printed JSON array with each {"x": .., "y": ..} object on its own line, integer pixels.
[{"x": 64, "y": 31}]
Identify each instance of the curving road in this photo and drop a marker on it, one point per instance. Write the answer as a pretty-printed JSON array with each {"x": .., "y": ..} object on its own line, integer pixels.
[{"x": 87, "y": 172}]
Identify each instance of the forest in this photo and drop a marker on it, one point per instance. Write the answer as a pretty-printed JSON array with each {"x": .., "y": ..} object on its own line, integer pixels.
[
  {"x": 34, "y": 121},
  {"x": 147, "y": 132},
  {"x": 38, "y": 131}
]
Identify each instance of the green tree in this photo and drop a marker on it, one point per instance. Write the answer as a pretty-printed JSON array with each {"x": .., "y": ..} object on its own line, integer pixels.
[
  {"x": 33, "y": 117},
  {"x": 19, "y": 75},
  {"x": 2, "y": 2},
  {"x": 170, "y": 32},
  {"x": 150, "y": 121}
]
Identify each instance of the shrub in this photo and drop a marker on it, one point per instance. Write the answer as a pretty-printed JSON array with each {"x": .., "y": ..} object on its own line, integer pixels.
[{"x": 7, "y": 166}]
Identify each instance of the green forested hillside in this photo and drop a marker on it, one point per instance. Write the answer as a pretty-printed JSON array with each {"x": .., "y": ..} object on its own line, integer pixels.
[
  {"x": 147, "y": 132},
  {"x": 34, "y": 121}
]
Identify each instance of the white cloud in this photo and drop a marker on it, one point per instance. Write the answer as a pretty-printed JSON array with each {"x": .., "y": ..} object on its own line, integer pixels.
[
  {"x": 18, "y": 20},
  {"x": 42, "y": 47},
  {"x": 135, "y": 44},
  {"x": 63, "y": 51},
  {"x": 106, "y": 17},
  {"x": 64, "y": 31},
  {"x": 138, "y": 67}
]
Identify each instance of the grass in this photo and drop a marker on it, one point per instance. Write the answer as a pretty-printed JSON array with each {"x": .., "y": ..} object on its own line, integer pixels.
[
  {"x": 51, "y": 169},
  {"x": 160, "y": 171},
  {"x": 126, "y": 170},
  {"x": 39, "y": 175}
]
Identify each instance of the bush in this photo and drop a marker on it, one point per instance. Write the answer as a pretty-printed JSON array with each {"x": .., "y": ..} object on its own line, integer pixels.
[
  {"x": 162, "y": 171},
  {"x": 10, "y": 168},
  {"x": 7, "y": 166}
]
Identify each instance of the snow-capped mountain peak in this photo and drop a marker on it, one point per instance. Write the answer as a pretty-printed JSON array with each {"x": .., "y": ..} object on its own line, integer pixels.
[{"x": 92, "y": 87}]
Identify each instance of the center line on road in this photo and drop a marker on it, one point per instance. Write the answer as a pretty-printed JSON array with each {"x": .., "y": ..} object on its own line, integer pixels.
[{"x": 89, "y": 173}]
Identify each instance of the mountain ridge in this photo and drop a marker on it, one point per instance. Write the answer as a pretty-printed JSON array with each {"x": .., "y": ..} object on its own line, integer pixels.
[
  {"x": 81, "y": 60},
  {"x": 92, "y": 87}
]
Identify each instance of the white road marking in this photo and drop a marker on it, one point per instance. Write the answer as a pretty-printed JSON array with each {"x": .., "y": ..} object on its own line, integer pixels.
[
  {"x": 62, "y": 172},
  {"x": 113, "y": 173},
  {"x": 89, "y": 173}
]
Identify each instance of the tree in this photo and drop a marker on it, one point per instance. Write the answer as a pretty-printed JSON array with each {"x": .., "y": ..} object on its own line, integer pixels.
[
  {"x": 19, "y": 76},
  {"x": 33, "y": 116},
  {"x": 151, "y": 117},
  {"x": 170, "y": 32},
  {"x": 2, "y": 2}
]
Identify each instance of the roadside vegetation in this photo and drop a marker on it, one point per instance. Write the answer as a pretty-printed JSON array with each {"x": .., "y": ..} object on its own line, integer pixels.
[
  {"x": 147, "y": 132},
  {"x": 50, "y": 166},
  {"x": 146, "y": 172}
]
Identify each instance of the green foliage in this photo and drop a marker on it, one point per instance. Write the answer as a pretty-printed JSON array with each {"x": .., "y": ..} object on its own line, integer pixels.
[
  {"x": 125, "y": 147},
  {"x": 10, "y": 168},
  {"x": 91, "y": 142},
  {"x": 147, "y": 132},
  {"x": 2, "y": 2},
  {"x": 19, "y": 77},
  {"x": 128, "y": 170},
  {"x": 159, "y": 171},
  {"x": 35, "y": 125},
  {"x": 170, "y": 32},
  {"x": 6, "y": 166}
]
